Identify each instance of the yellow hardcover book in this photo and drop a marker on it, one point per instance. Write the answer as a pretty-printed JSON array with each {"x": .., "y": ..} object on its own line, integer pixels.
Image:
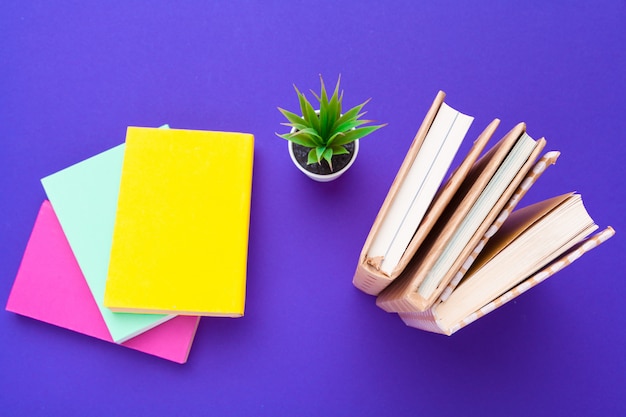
[{"x": 180, "y": 241}]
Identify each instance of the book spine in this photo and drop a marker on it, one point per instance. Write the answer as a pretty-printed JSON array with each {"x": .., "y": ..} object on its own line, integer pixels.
[
  {"x": 538, "y": 277},
  {"x": 375, "y": 283},
  {"x": 548, "y": 159},
  {"x": 400, "y": 298},
  {"x": 369, "y": 283},
  {"x": 423, "y": 320}
]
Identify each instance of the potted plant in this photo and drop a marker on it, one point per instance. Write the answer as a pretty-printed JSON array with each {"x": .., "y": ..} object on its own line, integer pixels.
[{"x": 324, "y": 143}]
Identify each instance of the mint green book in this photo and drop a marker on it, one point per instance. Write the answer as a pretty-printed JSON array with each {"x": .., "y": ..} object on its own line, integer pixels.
[{"x": 84, "y": 198}]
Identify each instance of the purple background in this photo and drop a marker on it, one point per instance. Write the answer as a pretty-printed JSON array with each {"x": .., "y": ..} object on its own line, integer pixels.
[{"x": 74, "y": 76}]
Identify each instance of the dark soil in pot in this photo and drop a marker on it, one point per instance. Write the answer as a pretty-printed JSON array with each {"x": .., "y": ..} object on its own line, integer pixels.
[{"x": 339, "y": 161}]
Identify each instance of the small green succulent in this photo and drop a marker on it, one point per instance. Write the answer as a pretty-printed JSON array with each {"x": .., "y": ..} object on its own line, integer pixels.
[{"x": 327, "y": 130}]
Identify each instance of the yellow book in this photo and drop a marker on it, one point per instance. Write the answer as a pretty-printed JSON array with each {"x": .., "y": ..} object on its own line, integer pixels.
[{"x": 180, "y": 241}]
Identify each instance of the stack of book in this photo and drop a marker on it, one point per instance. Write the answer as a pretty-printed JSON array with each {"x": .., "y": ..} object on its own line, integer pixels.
[
  {"x": 443, "y": 254},
  {"x": 136, "y": 243}
]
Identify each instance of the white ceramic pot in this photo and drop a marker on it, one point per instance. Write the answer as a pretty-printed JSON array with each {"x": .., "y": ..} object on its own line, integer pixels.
[{"x": 326, "y": 177}]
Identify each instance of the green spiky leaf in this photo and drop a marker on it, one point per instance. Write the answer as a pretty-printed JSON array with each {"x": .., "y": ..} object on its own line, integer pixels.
[
  {"x": 351, "y": 124},
  {"x": 292, "y": 117},
  {"x": 355, "y": 134},
  {"x": 328, "y": 156},
  {"x": 353, "y": 114},
  {"x": 339, "y": 150},
  {"x": 312, "y": 156},
  {"x": 319, "y": 152},
  {"x": 323, "y": 115},
  {"x": 308, "y": 112},
  {"x": 300, "y": 140},
  {"x": 309, "y": 131}
]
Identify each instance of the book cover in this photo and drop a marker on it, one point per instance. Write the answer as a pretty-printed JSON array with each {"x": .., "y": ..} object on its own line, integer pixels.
[
  {"x": 50, "y": 287},
  {"x": 84, "y": 197},
  {"x": 369, "y": 276},
  {"x": 429, "y": 320},
  {"x": 180, "y": 239}
]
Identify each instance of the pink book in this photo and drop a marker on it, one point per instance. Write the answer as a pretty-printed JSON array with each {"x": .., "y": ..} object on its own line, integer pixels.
[{"x": 50, "y": 287}]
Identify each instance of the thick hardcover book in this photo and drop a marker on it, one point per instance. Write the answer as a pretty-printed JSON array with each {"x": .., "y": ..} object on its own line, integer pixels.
[
  {"x": 50, "y": 287},
  {"x": 180, "y": 239},
  {"x": 376, "y": 269},
  {"x": 538, "y": 254}
]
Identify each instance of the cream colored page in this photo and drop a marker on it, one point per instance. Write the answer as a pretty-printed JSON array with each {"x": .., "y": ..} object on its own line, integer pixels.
[
  {"x": 419, "y": 187},
  {"x": 518, "y": 222},
  {"x": 564, "y": 227},
  {"x": 477, "y": 214}
]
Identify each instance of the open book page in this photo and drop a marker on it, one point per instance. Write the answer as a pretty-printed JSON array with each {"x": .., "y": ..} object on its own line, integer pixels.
[
  {"x": 477, "y": 214},
  {"x": 523, "y": 219},
  {"x": 548, "y": 159},
  {"x": 536, "y": 279},
  {"x": 426, "y": 320},
  {"x": 444, "y": 197},
  {"x": 420, "y": 186},
  {"x": 538, "y": 234},
  {"x": 368, "y": 277},
  {"x": 402, "y": 294}
]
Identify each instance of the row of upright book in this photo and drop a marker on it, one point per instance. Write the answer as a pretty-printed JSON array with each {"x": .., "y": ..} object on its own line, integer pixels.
[
  {"x": 135, "y": 244},
  {"x": 442, "y": 254}
]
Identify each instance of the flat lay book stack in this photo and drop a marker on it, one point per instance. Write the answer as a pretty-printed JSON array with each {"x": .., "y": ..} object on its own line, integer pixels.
[
  {"x": 137, "y": 242},
  {"x": 443, "y": 254}
]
